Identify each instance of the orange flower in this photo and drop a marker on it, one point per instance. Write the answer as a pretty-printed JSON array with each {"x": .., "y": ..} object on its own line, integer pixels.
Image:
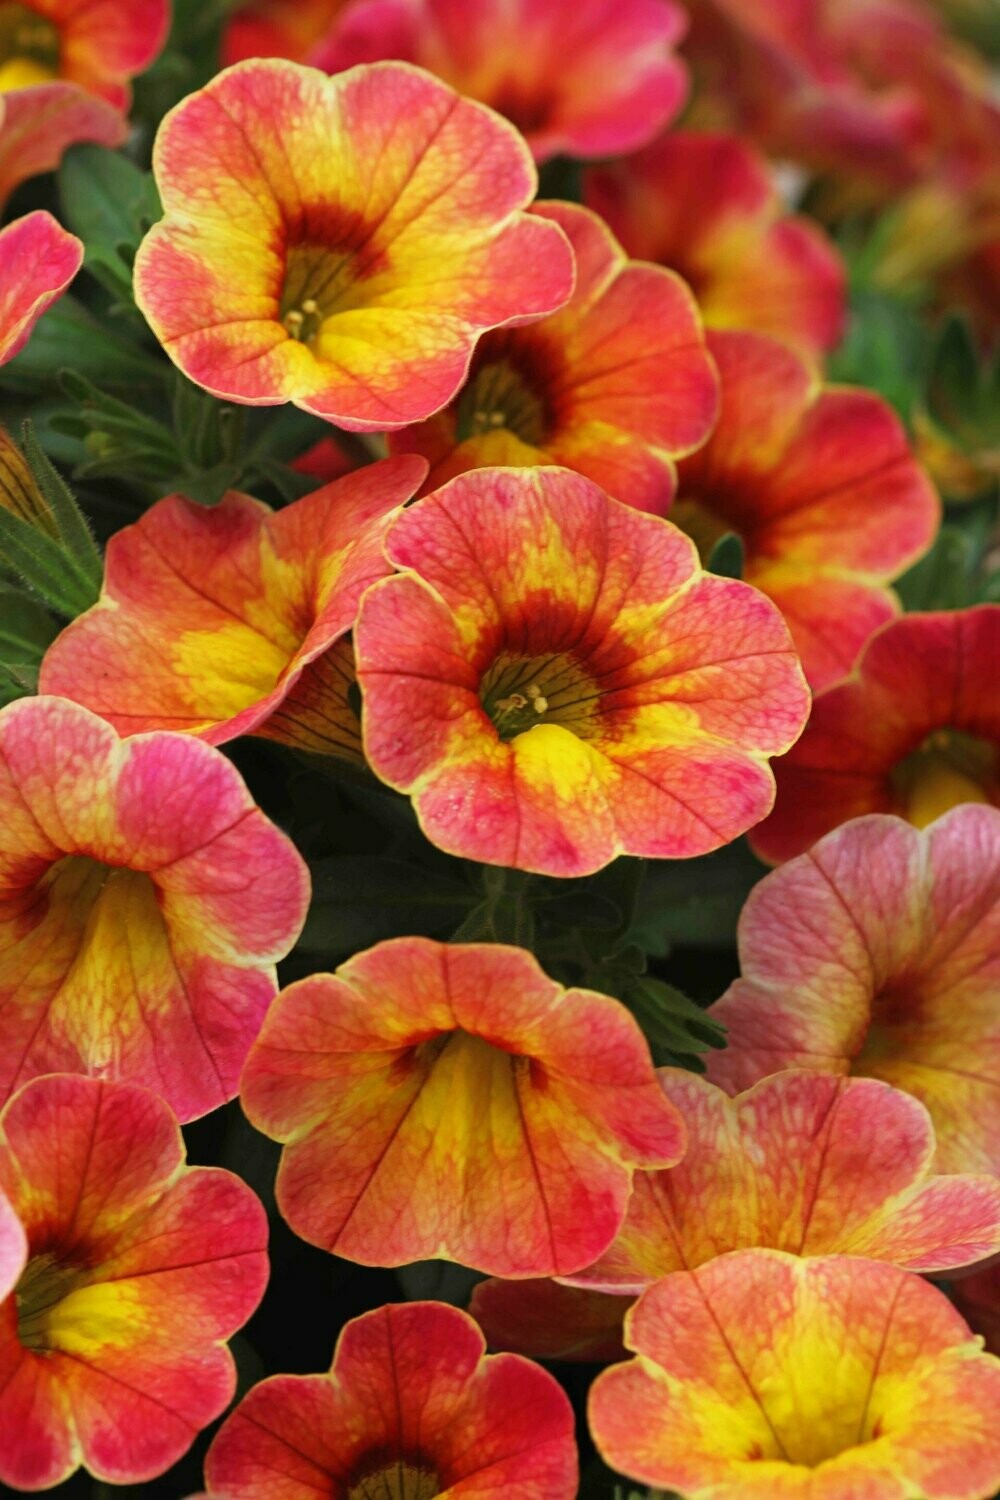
[
  {"x": 750, "y": 264},
  {"x": 616, "y": 385},
  {"x": 765, "y": 1377},
  {"x": 377, "y": 1077},
  {"x": 40, "y": 260},
  {"x": 554, "y": 681},
  {"x": 112, "y": 1343}
]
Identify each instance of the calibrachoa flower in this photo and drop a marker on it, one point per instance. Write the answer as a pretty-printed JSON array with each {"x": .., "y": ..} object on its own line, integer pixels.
[
  {"x": 82, "y": 41},
  {"x": 37, "y": 124},
  {"x": 38, "y": 260},
  {"x": 764, "y": 1375},
  {"x": 112, "y": 1351},
  {"x": 453, "y": 1102},
  {"x": 341, "y": 242},
  {"x": 822, "y": 488},
  {"x": 278, "y": 28},
  {"x": 878, "y": 953},
  {"x": 548, "y": 1320},
  {"x": 412, "y": 1407},
  {"x": 615, "y": 385},
  {"x": 749, "y": 262},
  {"x": 144, "y": 901},
  {"x": 554, "y": 681},
  {"x": 803, "y": 1162},
  {"x": 914, "y": 730},
  {"x": 210, "y": 616},
  {"x": 581, "y": 77}
]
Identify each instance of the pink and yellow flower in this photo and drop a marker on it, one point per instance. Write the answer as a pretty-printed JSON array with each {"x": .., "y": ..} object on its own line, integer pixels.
[
  {"x": 39, "y": 123},
  {"x": 804, "y": 1162},
  {"x": 97, "y": 44},
  {"x": 579, "y": 77},
  {"x": 233, "y": 619},
  {"x": 616, "y": 385},
  {"x": 278, "y": 28},
  {"x": 39, "y": 260},
  {"x": 914, "y": 730},
  {"x": 554, "y": 680},
  {"x": 878, "y": 953},
  {"x": 751, "y": 264},
  {"x": 144, "y": 901},
  {"x": 821, "y": 486},
  {"x": 762, "y": 1376},
  {"x": 341, "y": 243},
  {"x": 451, "y": 1101},
  {"x": 112, "y": 1343},
  {"x": 547, "y": 1320},
  {"x": 412, "y": 1406}
]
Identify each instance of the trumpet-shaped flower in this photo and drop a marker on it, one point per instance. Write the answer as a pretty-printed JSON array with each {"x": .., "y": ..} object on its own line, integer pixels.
[
  {"x": 85, "y": 42},
  {"x": 453, "y": 1102},
  {"x": 413, "y": 1408},
  {"x": 822, "y": 488},
  {"x": 39, "y": 260},
  {"x": 547, "y": 1320},
  {"x": 112, "y": 1342},
  {"x": 554, "y": 680},
  {"x": 144, "y": 901},
  {"x": 580, "y": 77},
  {"x": 615, "y": 385},
  {"x": 37, "y": 124},
  {"x": 762, "y": 1376},
  {"x": 750, "y": 264},
  {"x": 914, "y": 730},
  {"x": 341, "y": 242},
  {"x": 804, "y": 1162},
  {"x": 227, "y": 620},
  {"x": 878, "y": 953}
]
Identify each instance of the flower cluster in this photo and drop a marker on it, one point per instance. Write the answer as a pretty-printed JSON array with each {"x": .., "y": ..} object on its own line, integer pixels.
[{"x": 496, "y": 532}]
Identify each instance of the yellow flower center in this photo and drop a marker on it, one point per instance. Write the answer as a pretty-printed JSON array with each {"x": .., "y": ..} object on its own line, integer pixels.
[
  {"x": 520, "y": 692},
  {"x": 501, "y": 397},
  {"x": 320, "y": 281},
  {"x": 29, "y": 47},
  {"x": 44, "y": 1283},
  {"x": 949, "y": 768},
  {"x": 400, "y": 1480}
]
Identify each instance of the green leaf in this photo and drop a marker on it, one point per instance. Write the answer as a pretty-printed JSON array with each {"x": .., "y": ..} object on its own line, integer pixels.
[
  {"x": 962, "y": 394},
  {"x": 726, "y": 557},
  {"x": 884, "y": 349},
  {"x": 45, "y": 567},
  {"x": 944, "y": 578},
  {"x": 695, "y": 902},
  {"x": 361, "y": 899},
  {"x": 26, "y": 628},
  {"x": 505, "y": 914},
  {"x": 69, "y": 337},
  {"x": 109, "y": 203},
  {"x": 71, "y": 523},
  {"x": 674, "y": 1026}
]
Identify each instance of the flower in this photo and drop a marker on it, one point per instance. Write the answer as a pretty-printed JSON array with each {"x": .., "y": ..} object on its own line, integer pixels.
[
  {"x": 82, "y": 42},
  {"x": 13, "y": 1247},
  {"x": 750, "y": 264},
  {"x": 554, "y": 681},
  {"x": 878, "y": 953},
  {"x": 451, "y": 1101},
  {"x": 822, "y": 488},
  {"x": 914, "y": 730},
  {"x": 226, "y": 620},
  {"x": 40, "y": 260},
  {"x": 805, "y": 1162},
  {"x": 112, "y": 1351},
  {"x": 616, "y": 385},
  {"x": 277, "y": 28},
  {"x": 144, "y": 900},
  {"x": 411, "y": 1406},
  {"x": 763, "y": 1375},
  {"x": 341, "y": 242},
  {"x": 37, "y": 124},
  {"x": 577, "y": 77},
  {"x": 548, "y": 1320}
]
